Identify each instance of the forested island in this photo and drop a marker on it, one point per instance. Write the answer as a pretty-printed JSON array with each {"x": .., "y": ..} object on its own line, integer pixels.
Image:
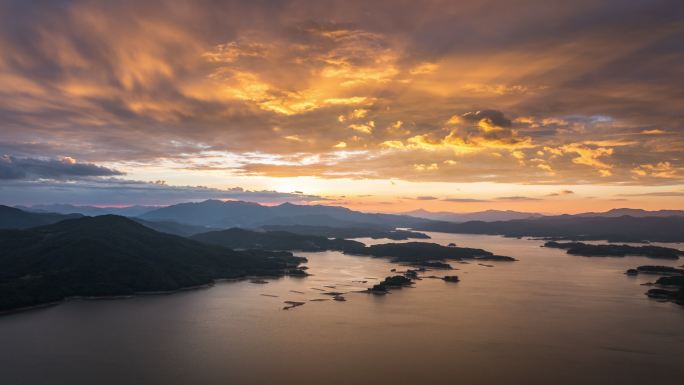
[
  {"x": 424, "y": 254},
  {"x": 671, "y": 284},
  {"x": 375, "y": 232},
  {"x": 590, "y": 250},
  {"x": 420, "y": 252},
  {"x": 237, "y": 238}
]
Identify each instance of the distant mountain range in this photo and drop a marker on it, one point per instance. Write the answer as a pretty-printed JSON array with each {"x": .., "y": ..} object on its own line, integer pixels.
[
  {"x": 508, "y": 215},
  {"x": 14, "y": 218},
  {"x": 220, "y": 214},
  {"x": 112, "y": 255},
  {"x": 487, "y": 215},
  {"x": 633, "y": 213},
  {"x": 575, "y": 227},
  {"x": 225, "y": 214},
  {"x": 187, "y": 219},
  {"x": 91, "y": 211}
]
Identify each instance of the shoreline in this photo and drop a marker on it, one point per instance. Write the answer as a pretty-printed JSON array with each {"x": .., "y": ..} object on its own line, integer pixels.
[{"x": 135, "y": 294}]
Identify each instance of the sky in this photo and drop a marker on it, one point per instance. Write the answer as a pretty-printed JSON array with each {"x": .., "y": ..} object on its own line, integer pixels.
[{"x": 543, "y": 106}]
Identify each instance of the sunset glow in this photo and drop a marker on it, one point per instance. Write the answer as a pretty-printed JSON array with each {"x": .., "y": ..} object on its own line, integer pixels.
[{"x": 446, "y": 106}]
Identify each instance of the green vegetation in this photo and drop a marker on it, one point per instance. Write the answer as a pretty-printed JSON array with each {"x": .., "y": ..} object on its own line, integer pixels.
[
  {"x": 589, "y": 250},
  {"x": 650, "y": 269},
  {"x": 420, "y": 252},
  {"x": 389, "y": 283},
  {"x": 374, "y": 232},
  {"x": 114, "y": 256},
  {"x": 237, "y": 238}
]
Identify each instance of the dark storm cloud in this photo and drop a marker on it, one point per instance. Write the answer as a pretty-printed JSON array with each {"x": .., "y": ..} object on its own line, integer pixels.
[
  {"x": 109, "y": 191},
  {"x": 464, "y": 200},
  {"x": 65, "y": 168},
  {"x": 518, "y": 198},
  {"x": 495, "y": 118}
]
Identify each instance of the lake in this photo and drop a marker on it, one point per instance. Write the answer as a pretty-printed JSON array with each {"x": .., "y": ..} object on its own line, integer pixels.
[{"x": 548, "y": 318}]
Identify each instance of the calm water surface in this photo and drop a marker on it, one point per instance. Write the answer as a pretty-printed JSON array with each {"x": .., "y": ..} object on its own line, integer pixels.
[{"x": 548, "y": 318}]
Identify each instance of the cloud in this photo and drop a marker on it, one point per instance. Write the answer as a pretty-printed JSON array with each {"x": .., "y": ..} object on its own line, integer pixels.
[
  {"x": 464, "y": 200},
  {"x": 561, "y": 193},
  {"x": 151, "y": 83},
  {"x": 517, "y": 198},
  {"x": 111, "y": 191},
  {"x": 655, "y": 194},
  {"x": 467, "y": 133},
  {"x": 658, "y": 170},
  {"x": 12, "y": 168},
  {"x": 590, "y": 156},
  {"x": 426, "y": 198},
  {"x": 490, "y": 118}
]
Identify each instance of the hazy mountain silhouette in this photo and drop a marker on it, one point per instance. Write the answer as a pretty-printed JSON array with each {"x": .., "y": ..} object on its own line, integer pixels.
[
  {"x": 486, "y": 216},
  {"x": 227, "y": 214},
  {"x": 634, "y": 213},
  {"x": 60, "y": 208},
  {"x": 175, "y": 228},
  {"x": 618, "y": 229},
  {"x": 112, "y": 255},
  {"x": 13, "y": 218},
  {"x": 508, "y": 215}
]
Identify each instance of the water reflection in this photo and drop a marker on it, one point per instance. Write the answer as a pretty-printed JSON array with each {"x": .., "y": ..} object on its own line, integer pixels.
[{"x": 548, "y": 318}]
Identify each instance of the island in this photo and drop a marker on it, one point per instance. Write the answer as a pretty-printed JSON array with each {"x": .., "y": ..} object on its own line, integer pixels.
[
  {"x": 611, "y": 250},
  {"x": 433, "y": 264},
  {"x": 238, "y": 238},
  {"x": 393, "y": 282},
  {"x": 651, "y": 269},
  {"x": 674, "y": 278},
  {"x": 358, "y": 231},
  {"x": 677, "y": 280},
  {"x": 676, "y": 296},
  {"x": 113, "y": 256},
  {"x": 421, "y": 252}
]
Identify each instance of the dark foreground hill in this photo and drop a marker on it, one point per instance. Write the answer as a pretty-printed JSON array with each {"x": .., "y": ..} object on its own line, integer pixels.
[
  {"x": 112, "y": 256},
  {"x": 613, "y": 229},
  {"x": 13, "y": 218}
]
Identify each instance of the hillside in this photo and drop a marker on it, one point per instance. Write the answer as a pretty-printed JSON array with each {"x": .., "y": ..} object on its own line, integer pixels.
[
  {"x": 175, "y": 228},
  {"x": 220, "y": 214},
  {"x": 13, "y": 218},
  {"x": 237, "y": 238},
  {"x": 111, "y": 255},
  {"x": 127, "y": 211}
]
